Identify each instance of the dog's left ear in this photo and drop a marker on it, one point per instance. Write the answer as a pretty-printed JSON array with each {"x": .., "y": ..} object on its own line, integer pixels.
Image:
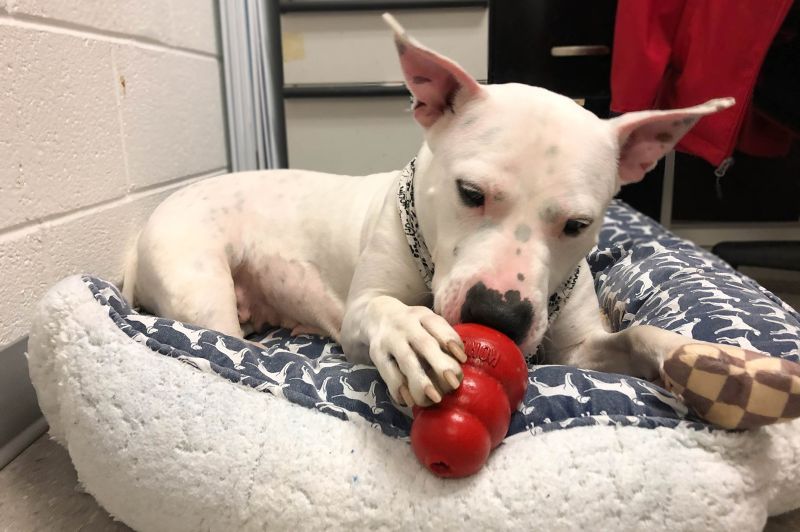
[
  {"x": 437, "y": 83},
  {"x": 646, "y": 136}
]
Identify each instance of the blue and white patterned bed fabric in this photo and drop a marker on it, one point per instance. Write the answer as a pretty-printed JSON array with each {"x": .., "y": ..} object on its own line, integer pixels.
[{"x": 643, "y": 274}]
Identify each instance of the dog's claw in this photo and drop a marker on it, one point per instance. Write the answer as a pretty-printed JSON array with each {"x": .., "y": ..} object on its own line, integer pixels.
[
  {"x": 406, "y": 395},
  {"x": 457, "y": 351},
  {"x": 452, "y": 379},
  {"x": 432, "y": 394}
]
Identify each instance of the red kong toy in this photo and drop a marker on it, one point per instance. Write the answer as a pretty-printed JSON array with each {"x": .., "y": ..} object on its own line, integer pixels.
[{"x": 453, "y": 438}]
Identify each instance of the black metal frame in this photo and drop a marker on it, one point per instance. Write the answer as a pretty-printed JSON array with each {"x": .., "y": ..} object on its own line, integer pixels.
[
  {"x": 344, "y": 90},
  {"x": 274, "y": 102}
]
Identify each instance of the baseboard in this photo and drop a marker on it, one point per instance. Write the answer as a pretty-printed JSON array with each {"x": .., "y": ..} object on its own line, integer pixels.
[
  {"x": 20, "y": 408},
  {"x": 21, "y": 441}
]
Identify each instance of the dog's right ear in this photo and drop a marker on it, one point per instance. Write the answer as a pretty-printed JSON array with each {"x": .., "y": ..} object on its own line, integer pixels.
[
  {"x": 646, "y": 136},
  {"x": 437, "y": 83}
]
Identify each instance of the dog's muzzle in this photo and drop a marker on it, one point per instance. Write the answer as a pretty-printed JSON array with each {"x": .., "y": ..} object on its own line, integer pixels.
[{"x": 507, "y": 313}]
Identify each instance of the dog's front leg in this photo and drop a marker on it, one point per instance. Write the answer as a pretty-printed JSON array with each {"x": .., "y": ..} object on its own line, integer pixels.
[
  {"x": 388, "y": 321},
  {"x": 579, "y": 338}
]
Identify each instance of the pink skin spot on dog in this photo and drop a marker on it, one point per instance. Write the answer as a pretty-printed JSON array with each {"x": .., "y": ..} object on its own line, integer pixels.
[{"x": 664, "y": 136}]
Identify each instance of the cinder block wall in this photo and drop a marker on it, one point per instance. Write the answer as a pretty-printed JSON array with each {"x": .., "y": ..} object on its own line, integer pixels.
[{"x": 106, "y": 106}]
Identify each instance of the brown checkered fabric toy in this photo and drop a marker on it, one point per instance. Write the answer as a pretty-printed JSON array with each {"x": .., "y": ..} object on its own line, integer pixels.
[{"x": 734, "y": 388}]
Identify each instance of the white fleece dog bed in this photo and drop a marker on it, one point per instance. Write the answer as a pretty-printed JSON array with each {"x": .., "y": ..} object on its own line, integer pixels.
[{"x": 163, "y": 446}]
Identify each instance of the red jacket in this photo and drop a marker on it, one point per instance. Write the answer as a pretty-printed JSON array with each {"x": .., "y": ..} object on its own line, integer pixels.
[{"x": 678, "y": 53}]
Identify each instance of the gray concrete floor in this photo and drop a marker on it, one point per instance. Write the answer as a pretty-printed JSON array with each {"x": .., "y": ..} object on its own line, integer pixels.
[{"x": 39, "y": 492}]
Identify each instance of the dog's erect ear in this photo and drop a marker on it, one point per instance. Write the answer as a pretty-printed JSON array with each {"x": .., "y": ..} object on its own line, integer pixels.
[
  {"x": 438, "y": 84},
  {"x": 646, "y": 136}
]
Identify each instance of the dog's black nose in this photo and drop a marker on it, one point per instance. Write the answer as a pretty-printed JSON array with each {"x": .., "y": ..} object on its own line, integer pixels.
[{"x": 507, "y": 313}]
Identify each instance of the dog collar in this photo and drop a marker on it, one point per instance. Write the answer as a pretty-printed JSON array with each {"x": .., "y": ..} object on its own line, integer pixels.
[
  {"x": 560, "y": 296},
  {"x": 422, "y": 256},
  {"x": 408, "y": 219}
]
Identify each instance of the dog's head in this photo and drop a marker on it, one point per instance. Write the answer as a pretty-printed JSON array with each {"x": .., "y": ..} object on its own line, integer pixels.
[{"x": 513, "y": 184}]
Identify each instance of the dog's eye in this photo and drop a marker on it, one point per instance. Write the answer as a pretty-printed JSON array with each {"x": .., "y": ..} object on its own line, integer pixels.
[
  {"x": 575, "y": 227},
  {"x": 470, "y": 194}
]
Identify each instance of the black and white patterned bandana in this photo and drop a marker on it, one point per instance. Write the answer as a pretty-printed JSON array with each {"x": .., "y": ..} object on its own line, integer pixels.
[
  {"x": 422, "y": 256},
  {"x": 408, "y": 219},
  {"x": 560, "y": 296}
]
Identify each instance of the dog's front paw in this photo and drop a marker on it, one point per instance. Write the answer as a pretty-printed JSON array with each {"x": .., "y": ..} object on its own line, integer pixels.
[{"x": 417, "y": 353}]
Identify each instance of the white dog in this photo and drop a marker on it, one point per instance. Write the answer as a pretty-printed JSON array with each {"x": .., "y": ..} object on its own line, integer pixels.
[{"x": 490, "y": 223}]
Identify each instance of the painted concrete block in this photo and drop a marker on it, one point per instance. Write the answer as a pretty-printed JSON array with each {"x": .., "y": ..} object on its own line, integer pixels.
[
  {"x": 182, "y": 23},
  {"x": 60, "y": 145},
  {"x": 145, "y": 18},
  {"x": 94, "y": 242},
  {"x": 195, "y": 24},
  {"x": 172, "y": 114}
]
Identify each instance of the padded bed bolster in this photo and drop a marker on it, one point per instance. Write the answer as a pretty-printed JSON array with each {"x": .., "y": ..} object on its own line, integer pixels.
[{"x": 172, "y": 427}]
